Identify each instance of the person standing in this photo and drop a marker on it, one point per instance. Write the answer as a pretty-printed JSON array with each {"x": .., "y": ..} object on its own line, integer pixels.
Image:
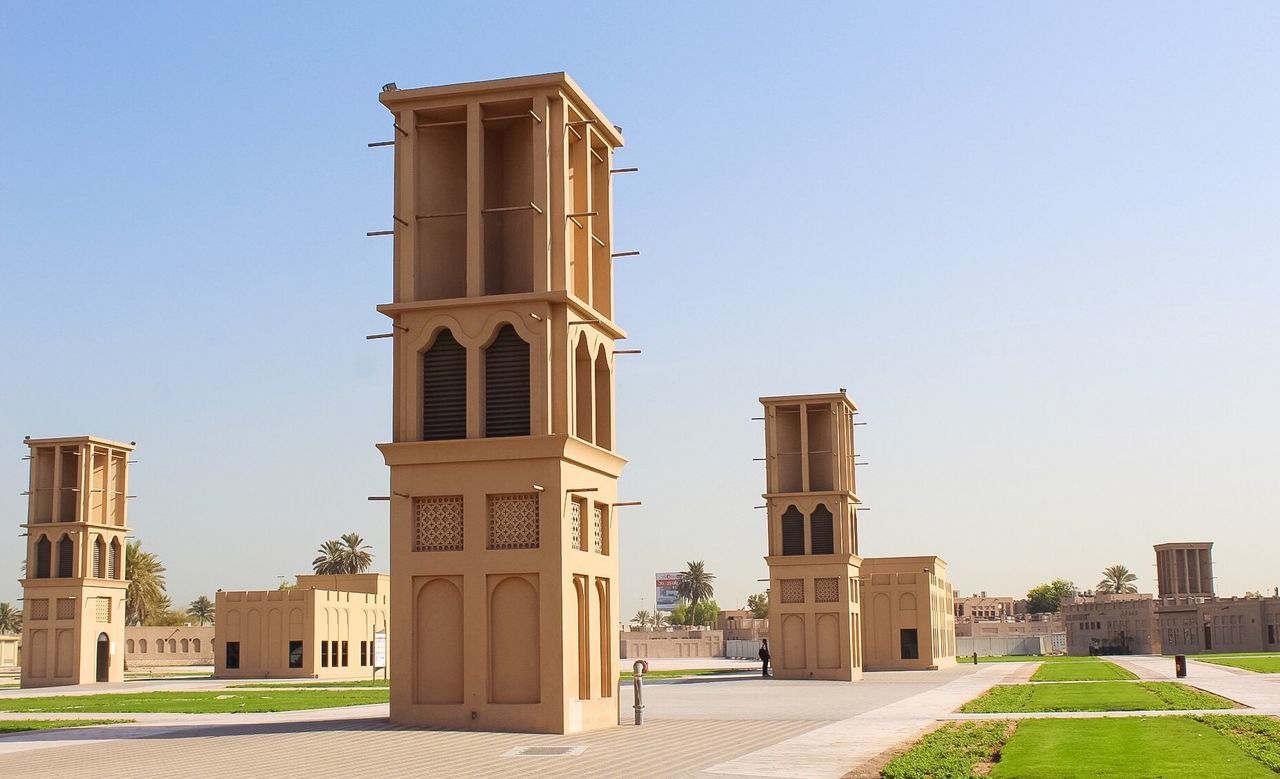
[{"x": 764, "y": 657}]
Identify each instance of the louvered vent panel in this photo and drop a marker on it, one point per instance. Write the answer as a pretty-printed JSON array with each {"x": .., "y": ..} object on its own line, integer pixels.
[
  {"x": 506, "y": 385},
  {"x": 444, "y": 390},
  {"x": 792, "y": 531},
  {"x": 66, "y": 557},
  {"x": 820, "y": 524}
]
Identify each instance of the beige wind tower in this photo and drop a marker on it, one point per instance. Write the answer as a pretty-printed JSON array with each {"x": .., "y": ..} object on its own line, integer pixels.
[
  {"x": 1185, "y": 570},
  {"x": 814, "y": 613},
  {"x": 504, "y": 563},
  {"x": 74, "y": 589}
]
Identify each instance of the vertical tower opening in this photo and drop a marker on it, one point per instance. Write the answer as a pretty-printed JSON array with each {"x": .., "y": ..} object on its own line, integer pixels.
[
  {"x": 821, "y": 531},
  {"x": 604, "y": 400},
  {"x": 792, "y": 531},
  {"x": 582, "y": 375},
  {"x": 506, "y": 385},
  {"x": 70, "y": 479},
  {"x": 99, "y": 558},
  {"x": 821, "y": 454},
  {"x": 787, "y": 457},
  {"x": 444, "y": 389},
  {"x": 441, "y": 252},
  {"x": 44, "y": 557},
  {"x": 578, "y": 184},
  {"x": 600, "y": 240},
  {"x": 508, "y": 193},
  {"x": 113, "y": 559},
  {"x": 66, "y": 557}
]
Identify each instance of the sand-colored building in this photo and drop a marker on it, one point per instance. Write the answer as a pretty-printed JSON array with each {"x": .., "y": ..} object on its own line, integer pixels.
[
  {"x": 670, "y": 643},
  {"x": 10, "y": 651},
  {"x": 323, "y": 628},
  {"x": 503, "y": 461},
  {"x": 1185, "y": 570},
  {"x": 156, "y": 647},
  {"x": 833, "y": 613},
  {"x": 981, "y": 607},
  {"x": 73, "y": 592},
  {"x": 908, "y": 615}
]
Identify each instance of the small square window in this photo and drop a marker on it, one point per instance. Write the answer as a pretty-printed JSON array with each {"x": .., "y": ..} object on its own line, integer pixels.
[
  {"x": 344, "y": 654},
  {"x": 324, "y": 654},
  {"x": 295, "y": 654}
]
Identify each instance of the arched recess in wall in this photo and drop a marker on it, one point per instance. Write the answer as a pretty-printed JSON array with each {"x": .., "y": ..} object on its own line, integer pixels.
[
  {"x": 295, "y": 624},
  {"x": 66, "y": 557},
  {"x": 793, "y": 648},
  {"x": 233, "y": 626},
  {"x": 195, "y": 645},
  {"x": 277, "y": 645},
  {"x": 582, "y": 401},
  {"x": 606, "y": 638},
  {"x": 186, "y": 646},
  {"x": 821, "y": 531},
  {"x": 514, "y": 659},
  {"x": 604, "y": 400},
  {"x": 907, "y": 602},
  {"x": 142, "y": 645},
  {"x": 828, "y": 641},
  {"x": 582, "y": 623},
  {"x": 506, "y": 385},
  {"x": 444, "y": 388},
  {"x": 113, "y": 559},
  {"x": 44, "y": 558},
  {"x": 38, "y": 655},
  {"x": 129, "y": 646},
  {"x": 881, "y": 627},
  {"x": 99, "y": 557},
  {"x": 63, "y": 651},
  {"x": 438, "y": 635},
  {"x": 792, "y": 531},
  {"x": 251, "y": 645}
]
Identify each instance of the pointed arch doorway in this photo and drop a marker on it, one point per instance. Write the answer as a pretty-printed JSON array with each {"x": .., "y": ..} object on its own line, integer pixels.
[{"x": 104, "y": 658}]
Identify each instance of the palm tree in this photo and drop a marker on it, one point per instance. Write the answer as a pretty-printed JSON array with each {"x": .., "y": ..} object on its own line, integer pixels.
[
  {"x": 642, "y": 618},
  {"x": 10, "y": 619},
  {"x": 146, "y": 594},
  {"x": 1117, "y": 579},
  {"x": 355, "y": 558},
  {"x": 202, "y": 609},
  {"x": 330, "y": 559},
  {"x": 694, "y": 584}
]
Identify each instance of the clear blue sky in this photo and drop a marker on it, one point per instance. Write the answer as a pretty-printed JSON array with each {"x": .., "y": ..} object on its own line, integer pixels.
[{"x": 1037, "y": 242}]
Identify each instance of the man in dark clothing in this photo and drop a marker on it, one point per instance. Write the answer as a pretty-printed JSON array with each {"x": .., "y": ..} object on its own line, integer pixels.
[{"x": 764, "y": 657}]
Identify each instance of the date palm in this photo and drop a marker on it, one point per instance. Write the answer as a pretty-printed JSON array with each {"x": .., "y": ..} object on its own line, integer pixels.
[
  {"x": 1117, "y": 579},
  {"x": 329, "y": 561},
  {"x": 695, "y": 584},
  {"x": 355, "y": 555},
  {"x": 10, "y": 619},
  {"x": 201, "y": 609},
  {"x": 146, "y": 594}
]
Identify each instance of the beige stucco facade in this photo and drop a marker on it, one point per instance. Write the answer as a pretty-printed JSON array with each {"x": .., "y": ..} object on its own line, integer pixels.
[
  {"x": 73, "y": 593},
  {"x": 154, "y": 647},
  {"x": 10, "y": 651},
  {"x": 1185, "y": 570},
  {"x": 323, "y": 628},
  {"x": 671, "y": 643},
  {"x": 908, "y": 614},
  {"x": 503, "y": 463}
]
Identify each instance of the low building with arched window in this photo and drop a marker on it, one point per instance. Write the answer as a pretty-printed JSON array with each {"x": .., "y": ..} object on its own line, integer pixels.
[{"x": 156, "y": 646}]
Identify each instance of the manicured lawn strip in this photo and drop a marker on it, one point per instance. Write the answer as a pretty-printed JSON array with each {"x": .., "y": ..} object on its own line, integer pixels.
[
  {"x": 204, "y": 702},
  {"x": 1168, "y": 747},
  {"x": 1081, "y": 672},
  {"x": 1262, "y": 665},
  {"x": 22, "y": 725},
  {"x": 950, "y": 752},
  {"x": 298, "y": 685},
  {"x": 1028, "y": 659},
  {"x": 1094, "y": 696},
  {"x": 1259, "y": 737}
]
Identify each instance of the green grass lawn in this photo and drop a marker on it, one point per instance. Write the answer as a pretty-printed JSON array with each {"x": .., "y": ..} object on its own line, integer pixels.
[
  {"x": 1094, "y": 696},
  {"x": 1167, "y": 747},
  {"x": 1081, "y": 672},
  {"x": 1027, "y": 659},
  {"x": 1262, "y": 665},
  {"x": 349, "y": 683},
  {"x": 950, "y": 752},
  {"x": 21, "y": 725},
  {"x": 210, "y": 702}
]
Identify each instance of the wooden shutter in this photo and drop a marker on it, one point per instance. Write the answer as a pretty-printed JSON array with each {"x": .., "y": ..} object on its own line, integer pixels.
[
  {"x": 821, "y": 537},
  {"x": 506, "y": 385},
  {"x": 444, "y": 389},
  {"x": 792, "y": 531}
]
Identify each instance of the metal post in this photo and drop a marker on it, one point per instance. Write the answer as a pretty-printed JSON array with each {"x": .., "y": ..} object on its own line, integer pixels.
[
  {"x": 638, "y": 670},
  {"x": 975, "y": 658}
]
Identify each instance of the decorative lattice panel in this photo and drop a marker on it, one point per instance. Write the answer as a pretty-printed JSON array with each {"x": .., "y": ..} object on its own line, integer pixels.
[
  {"x": 66, "y": 608},
  {"x": 826, "y": 590},
  {"x": 792, "y": 590},
  {"x": 39, "y": 609},
  {"x": 597, "y": 530},
  {"x": 437, "y": 524},
  {"x": 102, "y": 609},
  {"x": 513, "y": 521},
  {"x": 575, "y": 516}
]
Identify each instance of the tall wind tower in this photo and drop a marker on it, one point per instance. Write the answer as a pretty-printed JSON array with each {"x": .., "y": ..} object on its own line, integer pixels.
[
  {"x": 74, "y": 589},
  {"x": 815, "y": 620},
  {"x": 504, "y": 568}
]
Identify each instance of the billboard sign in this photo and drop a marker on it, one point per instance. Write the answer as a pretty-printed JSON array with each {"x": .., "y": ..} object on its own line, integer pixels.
[{"x": 668, "y": 590}]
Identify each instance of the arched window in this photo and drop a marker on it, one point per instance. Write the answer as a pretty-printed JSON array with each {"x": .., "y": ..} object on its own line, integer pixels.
[
  {"x": 583, "y": 407},
  {"x": 142, "y": 645},
  {"x": 821, "y": 536},
  {"x": 113, "y": 559},
  {"x": 128, "y": 646},
  {"x": 99, "y": 558},
  {"x": 604, "y": 401},
  {"x": 173, "y": 645},
  {"x": 195, "y": 645},
  {"x": 186, "y": 646},
  {"x": 444, "y": 389},
  {"x": 792, "y": 531},
  {"x": 66, "y": 557},
  {"x": 44, "y": 556},
  {"x": 160, "y": 646},
  {"x": 506, "y": 385}
]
